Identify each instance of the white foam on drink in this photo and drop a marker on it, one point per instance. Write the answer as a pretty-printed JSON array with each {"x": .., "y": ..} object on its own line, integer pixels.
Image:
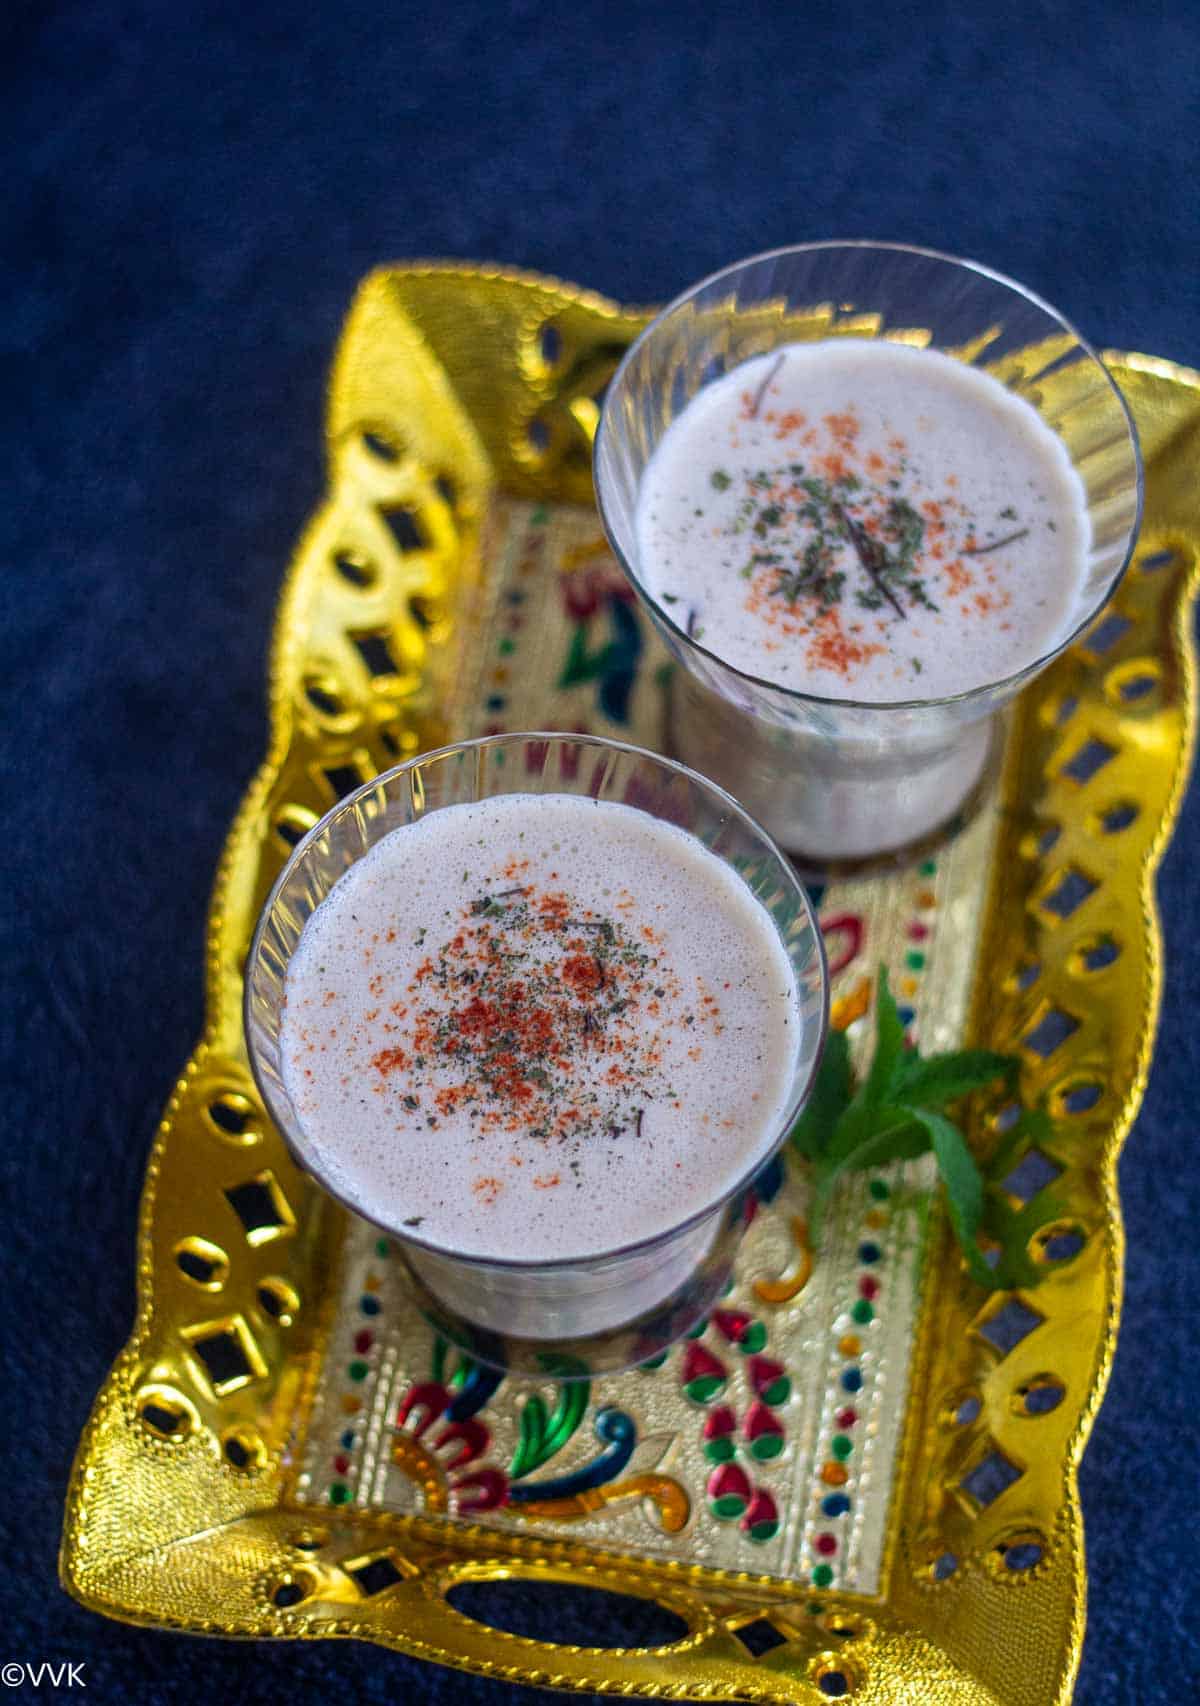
[
  {"x": 655, "y": 999},
  {"x": 741, "y": 523}
]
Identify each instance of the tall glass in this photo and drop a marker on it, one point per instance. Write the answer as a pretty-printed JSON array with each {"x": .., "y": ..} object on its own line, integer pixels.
[
  {"x": 838, "y": 780},
  {"x": 601, "y": 1311}
]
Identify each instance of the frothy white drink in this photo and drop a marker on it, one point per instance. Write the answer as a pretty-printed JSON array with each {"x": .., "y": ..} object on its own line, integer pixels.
[
  {"x": 857, "y": 519},
  {"x": 538, "y": 1026}
]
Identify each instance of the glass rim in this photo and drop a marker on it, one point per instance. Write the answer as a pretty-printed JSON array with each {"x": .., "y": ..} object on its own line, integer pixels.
[
  {"x": 1002, "y": 684},
  {"x": 796, "y": 1102}
]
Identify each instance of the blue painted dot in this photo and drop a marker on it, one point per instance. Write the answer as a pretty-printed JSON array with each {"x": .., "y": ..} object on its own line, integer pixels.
[
  {"x": 852, "y": 1379},
  {"x": 906, "y": 1015},
  {"x": 496, "y": 702},
  {"x": 837, "y": 1504},
  {"x": 368, "y": 1304},
  {"x": 869, "y": 1252},
  {"x": 516, "y": 596},
  {"x": 348, "y": 1440},
  {"x": 768, "y": 1184}
]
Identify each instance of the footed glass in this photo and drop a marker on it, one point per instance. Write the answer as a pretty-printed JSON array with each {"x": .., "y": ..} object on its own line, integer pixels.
[
  {"x": 840, "y": 781},
  {"x": 625, "y": 1305}
]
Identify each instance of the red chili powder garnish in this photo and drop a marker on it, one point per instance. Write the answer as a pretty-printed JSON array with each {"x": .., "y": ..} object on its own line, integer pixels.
[
  {"x": 582, "y": 972},
  {"x": 389, "y": 1060},
  {"x": 958, "y": 577},
  {"x": 831, "y": 648},
  {"x": 840, "y": 530},
  {"x": 506, "y": 1022},
  {"x": 843, "y": 428},
  {"x": 788, "y": 423}
]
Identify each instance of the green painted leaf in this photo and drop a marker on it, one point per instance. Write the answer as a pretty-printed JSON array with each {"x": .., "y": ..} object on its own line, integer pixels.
[
  {"x": 766, "y": 1446},
  {"x": 569, "y": 1412},
  {"x": 530, "y": 1450},
  {"x": 944, "y": 1078},
  {"x": 438, "y": 1361},
  {"x": 543, "y": 1436},
  {"x": 964, "y": 1187},
  {"x": 451, "y": 1376},
  {"x": 830, "y": 1096},
  {"x": 704, "y": 1388},
  {"x": 582, "y": 665},
  {"x": 727, "y": 1508}
]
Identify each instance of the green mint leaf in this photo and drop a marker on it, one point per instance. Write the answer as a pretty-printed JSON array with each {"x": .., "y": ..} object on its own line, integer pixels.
[
  {"x": 1032, "y": 1129},
  {"x": 830, "y": 1096},
  {"x": 964, "y": 1187},
  {"x": 889, "y": 1046},
  {"x": 874, "y": 1137},
  {"x": 1012, "y": 1230},
  {"x": 1015, "y": 1271},
  {"x": 896, "y": 1113},
  {"x": 861, "y": 1124},
  {"x": 874, "y": 1093},
  {"x": 942, "y": 1078}
]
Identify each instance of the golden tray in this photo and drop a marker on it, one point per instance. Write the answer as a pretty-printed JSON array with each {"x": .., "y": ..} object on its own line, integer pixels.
[{"x": 860, "y": 1478}]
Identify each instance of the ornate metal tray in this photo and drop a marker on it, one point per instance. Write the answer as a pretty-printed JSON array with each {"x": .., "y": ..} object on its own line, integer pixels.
[{"x": 860, "y": 1477}]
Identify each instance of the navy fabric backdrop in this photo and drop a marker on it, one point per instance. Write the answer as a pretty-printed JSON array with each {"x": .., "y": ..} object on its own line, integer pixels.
[{"x": 191, "y": 193}]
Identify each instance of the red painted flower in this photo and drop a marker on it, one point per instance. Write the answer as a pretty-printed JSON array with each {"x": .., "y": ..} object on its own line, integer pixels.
[
  {"x": 769, "y": 1380},
  {"x": 717, "y": 1433},
  {"x": 703, "y": 1374},
  {"x": 729, "y": 1492},
  {"x": 437, "y": 1464},
  {"x": 762, "y": 1432},
  {"x": 585, "y": 590},
  {"x": 760, "y": 1520}
]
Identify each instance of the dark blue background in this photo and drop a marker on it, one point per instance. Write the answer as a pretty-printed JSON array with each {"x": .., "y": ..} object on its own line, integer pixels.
[{"x": 191, "y": 193}]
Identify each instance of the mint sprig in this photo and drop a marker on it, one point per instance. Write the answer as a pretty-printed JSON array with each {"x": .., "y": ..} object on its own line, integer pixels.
[{"x": 901, "y": 1109}]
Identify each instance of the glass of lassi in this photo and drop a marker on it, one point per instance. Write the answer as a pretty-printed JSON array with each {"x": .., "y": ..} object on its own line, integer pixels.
[
  {"x": 541, "y": 1007},
  {"x": 865, "y": 492}
]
